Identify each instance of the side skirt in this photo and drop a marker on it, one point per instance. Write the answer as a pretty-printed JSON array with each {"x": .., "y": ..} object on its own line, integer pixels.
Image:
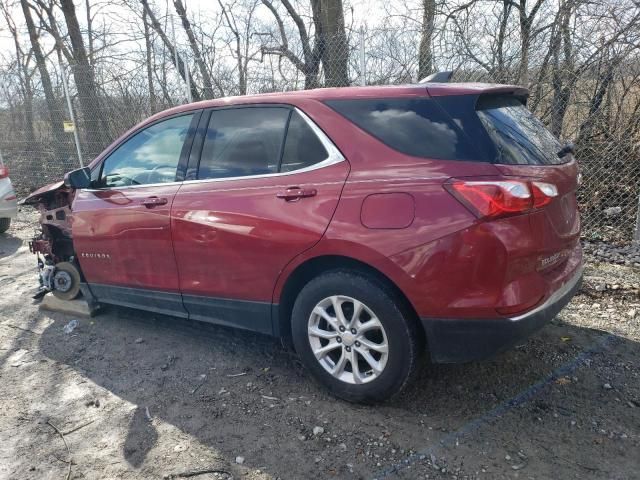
[
  {"x": 248, "y": 315},
  {"x": 166, "y": 303}
]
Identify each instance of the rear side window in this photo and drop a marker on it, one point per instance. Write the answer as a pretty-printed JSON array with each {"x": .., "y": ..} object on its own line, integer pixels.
[
  {"x": 243, "y": 141},
  {"x": 302, "y": 147},
  {"x": 414, "y": 126},
  {"x": 519, "y": 136}
]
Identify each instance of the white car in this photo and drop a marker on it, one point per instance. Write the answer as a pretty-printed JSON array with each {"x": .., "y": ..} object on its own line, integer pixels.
[{"x": 8, "y": 201}]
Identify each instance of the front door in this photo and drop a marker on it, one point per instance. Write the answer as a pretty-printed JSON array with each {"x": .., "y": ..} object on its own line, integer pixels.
[
  {"x": 267, "y": 185},
  {"x": 121, "y": 226}
]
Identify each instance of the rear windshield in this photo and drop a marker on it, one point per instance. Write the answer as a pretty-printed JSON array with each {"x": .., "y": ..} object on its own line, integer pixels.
[
  {"x": 414, "y": 126},
  {"x": 519, "y": 137}
]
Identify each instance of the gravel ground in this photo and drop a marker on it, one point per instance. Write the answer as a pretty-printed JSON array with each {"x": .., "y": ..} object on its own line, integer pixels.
[{"x": 129, "y": 395}]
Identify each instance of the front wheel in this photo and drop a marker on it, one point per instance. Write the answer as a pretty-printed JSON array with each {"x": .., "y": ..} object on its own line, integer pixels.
[
  {"x": 355, "y": 337},
  {"x": 66, "y": 281}
]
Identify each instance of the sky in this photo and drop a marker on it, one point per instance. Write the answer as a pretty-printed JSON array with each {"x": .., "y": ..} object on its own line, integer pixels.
[{"x": 364, "y": 11}]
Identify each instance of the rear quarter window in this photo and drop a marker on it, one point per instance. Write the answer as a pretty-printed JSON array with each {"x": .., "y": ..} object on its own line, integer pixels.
[
  {"x": 519, "y": 136},
  {"x": 415, "y": 126}
]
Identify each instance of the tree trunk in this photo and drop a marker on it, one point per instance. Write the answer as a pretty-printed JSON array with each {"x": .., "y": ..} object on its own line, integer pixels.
[
  {"x": 24, "y": 79},
  {"x": 27, "y": 106},
  {"x": 425, "y": 59},
  {"x": 193, "y": 43},
  {"x": 181, "y": 66},
  {"x": 525, "y": 42},
  {"x": 96, "y": 126},
  {"x": 334, "y": 46},
  {"x": 89, "y": 31},
  {"x": 310, "y": 63},
  {"x": 149, "y": 61},
  {"x": 563, "y": 76},
  {"x": 53, "y": 106},
  {"x": 604, "y": 80},
  {"x": 501, "y": 74},
  {"x": 242, "y": 77}
]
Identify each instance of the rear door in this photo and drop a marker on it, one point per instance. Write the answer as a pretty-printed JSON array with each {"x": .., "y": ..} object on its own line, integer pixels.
[
  {"x": 264, "y": 190},
  {"x": 121, "y": 227}
]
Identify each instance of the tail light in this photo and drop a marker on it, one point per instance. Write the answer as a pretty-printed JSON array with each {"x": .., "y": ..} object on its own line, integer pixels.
[
  {"x": 500, "y": 198},
  {"x": 543, "y": 193},
  {"x": 4, "y": 171}
]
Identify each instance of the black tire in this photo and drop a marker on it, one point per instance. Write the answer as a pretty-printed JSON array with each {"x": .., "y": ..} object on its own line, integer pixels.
[
  {"x": 5, "y": 223},
  {"x": 402, "y": 335},
  {"x": 74, "y": 288}
]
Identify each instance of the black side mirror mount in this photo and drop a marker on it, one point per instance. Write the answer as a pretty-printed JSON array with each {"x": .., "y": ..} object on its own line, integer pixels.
[{"x": 80, "y": 178}]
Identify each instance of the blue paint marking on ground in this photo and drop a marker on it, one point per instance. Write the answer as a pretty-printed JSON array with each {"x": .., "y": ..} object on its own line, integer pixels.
[{"x": 522, "y": 397}]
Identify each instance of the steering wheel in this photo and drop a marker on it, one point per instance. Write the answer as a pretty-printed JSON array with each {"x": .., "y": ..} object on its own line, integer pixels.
[{"x": 151, "y": 172}]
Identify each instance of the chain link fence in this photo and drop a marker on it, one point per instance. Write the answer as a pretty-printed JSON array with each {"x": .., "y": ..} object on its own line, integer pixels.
[{"x": 592, "y": 107}]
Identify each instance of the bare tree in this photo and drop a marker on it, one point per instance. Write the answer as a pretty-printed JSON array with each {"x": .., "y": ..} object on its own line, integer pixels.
[
  {"x": 207, "y": 89},
  {"x": 425, "y": 60},
  {"x": 179, "y": 64},
  {"x": 83, "y": 74},
  {"x": 328, "y": 18},
  {"x": 53, "y": 106},
  {"x": 149, "y": 60},
  {"x": 240, "y": 23},
  {"x": 330, "y": 46},
  {"x": 309, "y": 62},
  {"x": 25, "y": 76},
  {"x": 526, "y": 20}
]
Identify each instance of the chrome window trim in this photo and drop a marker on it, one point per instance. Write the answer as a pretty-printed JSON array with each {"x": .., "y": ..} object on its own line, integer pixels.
[{"x": 334, "y": 156}]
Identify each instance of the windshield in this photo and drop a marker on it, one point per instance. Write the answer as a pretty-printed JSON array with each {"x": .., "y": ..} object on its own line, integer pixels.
[{"x": 519, "y": 136}]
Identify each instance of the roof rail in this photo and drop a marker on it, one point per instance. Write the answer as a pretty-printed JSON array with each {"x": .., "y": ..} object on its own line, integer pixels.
[{"x": 437, "y": 77}]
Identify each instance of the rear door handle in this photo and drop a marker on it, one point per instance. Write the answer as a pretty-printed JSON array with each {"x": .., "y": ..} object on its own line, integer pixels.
[
  {"x": 296, "y": 193},
  {"x": 151, "y": 202}
]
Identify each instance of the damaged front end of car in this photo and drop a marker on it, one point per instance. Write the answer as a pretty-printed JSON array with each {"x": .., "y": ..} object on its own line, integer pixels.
[{"x": 58, "y": 269}]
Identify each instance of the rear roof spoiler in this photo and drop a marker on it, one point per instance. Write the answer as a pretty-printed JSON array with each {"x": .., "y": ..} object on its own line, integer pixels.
[{"x": 438, "y": 77}]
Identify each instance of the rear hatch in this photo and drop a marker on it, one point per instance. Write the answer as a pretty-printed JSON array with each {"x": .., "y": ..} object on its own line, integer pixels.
[{"x": 526, "y": 149}]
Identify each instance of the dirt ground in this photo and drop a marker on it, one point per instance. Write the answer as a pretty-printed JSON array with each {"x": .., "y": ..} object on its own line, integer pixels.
[{"x": 135, "y": 395}]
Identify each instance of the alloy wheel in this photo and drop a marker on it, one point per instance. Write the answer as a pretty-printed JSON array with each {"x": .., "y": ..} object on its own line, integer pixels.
[{"x": 348, "y": 339}]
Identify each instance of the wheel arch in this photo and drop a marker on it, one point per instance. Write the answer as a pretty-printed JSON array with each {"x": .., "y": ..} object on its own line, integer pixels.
[
  {"x": 63, "y": 246},
  {"x": 311, "y": 268}
]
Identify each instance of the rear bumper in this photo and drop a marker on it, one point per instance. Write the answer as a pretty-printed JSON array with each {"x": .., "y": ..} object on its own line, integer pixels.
[{"x": 465, "y": 340}]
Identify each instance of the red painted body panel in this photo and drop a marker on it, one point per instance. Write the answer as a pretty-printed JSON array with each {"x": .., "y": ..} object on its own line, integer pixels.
[
  {"x": 448, "y": 264},
  {"x": 233, "y": 237},
  {"x": 136, "y": 239},
  {"x": 393, "y": 210}
]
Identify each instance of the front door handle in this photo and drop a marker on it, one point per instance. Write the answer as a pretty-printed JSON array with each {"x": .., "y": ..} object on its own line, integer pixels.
[
  {"x": 151, "y": 202},
  {"x": 296, "y": 193}
]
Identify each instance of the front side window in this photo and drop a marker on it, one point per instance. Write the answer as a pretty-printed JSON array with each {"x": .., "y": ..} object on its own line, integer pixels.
[
  {"x": 148, "y": 157},
  {"x": 243, "y": 142},
  {"x": 415, "y": 126}
]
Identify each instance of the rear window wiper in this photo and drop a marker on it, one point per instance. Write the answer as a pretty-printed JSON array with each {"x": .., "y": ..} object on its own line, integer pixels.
[{"x": 568, "y": 148}]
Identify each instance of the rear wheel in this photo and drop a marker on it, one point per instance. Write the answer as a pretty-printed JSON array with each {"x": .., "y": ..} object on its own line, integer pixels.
[
  {"x": 66, "y": 281},
  {"x": 5, "y": 223},
  {"x": 352, "y": 333}
]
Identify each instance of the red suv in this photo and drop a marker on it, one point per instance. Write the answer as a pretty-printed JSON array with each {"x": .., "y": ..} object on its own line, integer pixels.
[{"x": 368, "y": 224}]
